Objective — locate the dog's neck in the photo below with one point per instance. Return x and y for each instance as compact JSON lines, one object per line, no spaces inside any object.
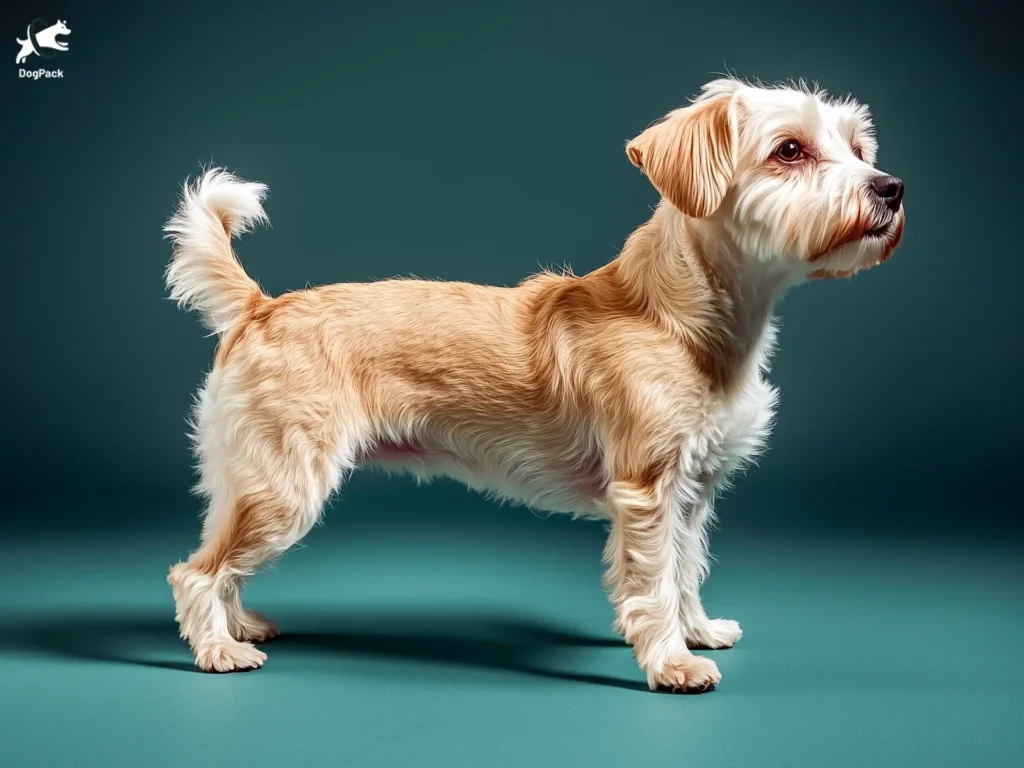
{"x":693,"y":277}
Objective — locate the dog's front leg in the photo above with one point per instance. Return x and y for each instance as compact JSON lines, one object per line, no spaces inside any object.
{"x":642,"y":563}
{"x":692,"y":566}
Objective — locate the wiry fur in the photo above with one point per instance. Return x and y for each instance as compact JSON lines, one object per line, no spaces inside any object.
{"x":630,"y":393}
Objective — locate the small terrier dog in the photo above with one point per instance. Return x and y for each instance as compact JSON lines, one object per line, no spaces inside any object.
{"x":629,"y":394}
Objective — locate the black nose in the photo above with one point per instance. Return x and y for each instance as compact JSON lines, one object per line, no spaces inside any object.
{"x":890,"y":190}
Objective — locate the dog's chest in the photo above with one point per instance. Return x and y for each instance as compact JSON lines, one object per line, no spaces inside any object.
{"x":734,"y":430}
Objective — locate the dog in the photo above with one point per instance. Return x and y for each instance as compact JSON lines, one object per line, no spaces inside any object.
{"x":629,"y":394}
{"x":45,"y":38}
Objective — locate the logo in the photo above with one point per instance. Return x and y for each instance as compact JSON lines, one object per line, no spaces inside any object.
{"x":41,"y":40}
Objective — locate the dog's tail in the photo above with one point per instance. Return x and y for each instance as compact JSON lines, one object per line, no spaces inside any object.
{"x":204,"y":272}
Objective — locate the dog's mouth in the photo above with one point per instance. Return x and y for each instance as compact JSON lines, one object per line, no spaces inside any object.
{"x":887,"y":235}
{"x":880,"y":231}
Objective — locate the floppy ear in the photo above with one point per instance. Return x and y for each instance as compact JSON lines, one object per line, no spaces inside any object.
{"x":689,"y":155}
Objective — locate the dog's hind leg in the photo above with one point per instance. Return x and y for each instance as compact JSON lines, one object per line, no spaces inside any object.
{"x":258,"y":527}
{"x":271,"y":494}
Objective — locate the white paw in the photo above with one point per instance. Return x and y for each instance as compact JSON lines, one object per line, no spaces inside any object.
{"x":228,"y":656}
{"x":689,"y":674}
{"x":252,"y":627}
{"x":717,"y":633}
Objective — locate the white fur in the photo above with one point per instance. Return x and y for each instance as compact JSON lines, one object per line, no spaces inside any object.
{"x":201,"y":275}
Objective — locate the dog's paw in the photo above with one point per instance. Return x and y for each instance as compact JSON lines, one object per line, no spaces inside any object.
{"x":715,"y":634}
{"x":252,"y":627}
{"x":229,"y":656}
{"x":687,"y":674}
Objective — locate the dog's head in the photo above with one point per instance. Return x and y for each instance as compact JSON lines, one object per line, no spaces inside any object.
{"x":789,"y":174}
{"x":60,"y":28}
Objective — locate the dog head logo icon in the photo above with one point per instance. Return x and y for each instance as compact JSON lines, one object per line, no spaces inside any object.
{"x":39,"y":38}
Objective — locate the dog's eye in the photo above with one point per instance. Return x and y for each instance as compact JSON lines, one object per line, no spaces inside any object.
{"x":789,"y":151}
{"x":858,"y":153}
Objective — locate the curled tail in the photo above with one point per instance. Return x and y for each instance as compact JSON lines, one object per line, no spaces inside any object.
{"x":204,"y":273}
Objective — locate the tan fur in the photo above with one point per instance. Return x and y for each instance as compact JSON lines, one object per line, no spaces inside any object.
{"x":456,"y":359}
{"x":629,"y":393}
{"x":689,"y":155}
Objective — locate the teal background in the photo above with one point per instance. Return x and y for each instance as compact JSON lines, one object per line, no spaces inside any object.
{"x":873,"y":558}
